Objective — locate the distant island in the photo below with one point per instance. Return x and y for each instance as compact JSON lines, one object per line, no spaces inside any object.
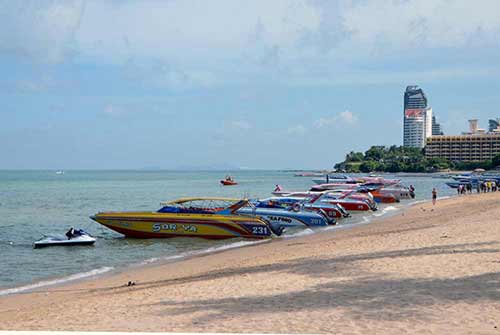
{"x":404,"y":159}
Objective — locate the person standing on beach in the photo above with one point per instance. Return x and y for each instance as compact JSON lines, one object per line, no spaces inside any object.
{"x":434,"y":196}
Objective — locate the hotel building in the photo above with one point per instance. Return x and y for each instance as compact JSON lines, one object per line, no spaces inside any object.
{"x":472,"y":146}
{"x":417,"y":118}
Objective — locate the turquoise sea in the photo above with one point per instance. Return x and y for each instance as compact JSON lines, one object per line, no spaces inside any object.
{"x":34,"y":203}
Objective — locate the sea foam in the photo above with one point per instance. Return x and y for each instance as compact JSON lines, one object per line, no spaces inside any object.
{"x":45,"y":283}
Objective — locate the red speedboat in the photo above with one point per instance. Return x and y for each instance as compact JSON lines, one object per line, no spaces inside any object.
{"x":347,"y":199}
{"x":228,"y":181}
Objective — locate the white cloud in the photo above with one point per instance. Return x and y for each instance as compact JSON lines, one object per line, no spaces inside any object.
{"x":348,"y":117}
{"x":161,"y":74}
{"x":325,"y":122}
{"x":229,"y":29}
{"x":212,"y":30}
{"x":297,"y":130}
{"x":203,"y":43}
{"x":137,"y":108}
{"x":412,"y":25}
{"x":41,"y":30}
{"x":345,"y":118}
{"x":114,"y":110}
{"x":240,"y":125}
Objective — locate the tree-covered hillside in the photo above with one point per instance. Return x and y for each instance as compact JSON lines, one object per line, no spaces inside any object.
{"x":403,"y":159}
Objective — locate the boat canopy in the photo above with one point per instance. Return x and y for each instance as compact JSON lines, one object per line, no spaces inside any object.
{"x":203,"y":205}
{"x":190,"y":200}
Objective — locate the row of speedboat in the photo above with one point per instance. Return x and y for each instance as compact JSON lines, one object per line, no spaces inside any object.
{"x":221,"y":218}
{"x":379,"y":189}
{"x":473,"y":179}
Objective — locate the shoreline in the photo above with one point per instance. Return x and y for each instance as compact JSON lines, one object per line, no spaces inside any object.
{"x":56,"y":282}
{"x":418,"y":269}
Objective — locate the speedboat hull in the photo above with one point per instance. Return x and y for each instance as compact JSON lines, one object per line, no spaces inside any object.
{"x":349,"y":205}
{"x":288,"y":218}
{"x":167,"y":225}
{"x":228,"y":183}
{"x":385,"y":198}
{"x":333,"y":212}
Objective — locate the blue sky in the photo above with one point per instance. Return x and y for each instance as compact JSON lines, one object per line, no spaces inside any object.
{"x":256,"y":84}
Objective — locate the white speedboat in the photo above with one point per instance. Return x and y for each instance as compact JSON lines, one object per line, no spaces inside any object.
{"x":82,"y":238}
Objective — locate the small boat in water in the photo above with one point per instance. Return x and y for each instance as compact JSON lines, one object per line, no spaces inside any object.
{"x":228,"y":181}
{"x":80,"y":237}
{"x":211,"y":218}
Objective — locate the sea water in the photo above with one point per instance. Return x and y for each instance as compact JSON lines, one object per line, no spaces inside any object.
{"x":36,"y":203}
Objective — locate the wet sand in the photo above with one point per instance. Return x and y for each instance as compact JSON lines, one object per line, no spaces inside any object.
{"x":427,"y":270}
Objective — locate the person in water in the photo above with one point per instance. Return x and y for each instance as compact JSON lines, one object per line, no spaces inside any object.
{"x":412,"y":191}
{"x":70,"y":233}
{"x":434,"y":196}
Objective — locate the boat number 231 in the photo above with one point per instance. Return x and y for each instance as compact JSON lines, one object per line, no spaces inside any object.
{"x":259,"y":230}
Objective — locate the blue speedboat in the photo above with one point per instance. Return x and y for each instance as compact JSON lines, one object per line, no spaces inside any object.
{"x":294,"y":216}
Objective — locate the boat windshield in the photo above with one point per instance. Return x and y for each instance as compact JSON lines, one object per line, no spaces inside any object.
{"x":175,"y":209}
{"x":197,"y":206}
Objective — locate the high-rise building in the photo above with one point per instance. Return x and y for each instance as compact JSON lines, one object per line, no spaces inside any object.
{"x":493,"y":125}
{"x":436,"y":127}
{"x":474,"y":128}
{"x":417,"y":122}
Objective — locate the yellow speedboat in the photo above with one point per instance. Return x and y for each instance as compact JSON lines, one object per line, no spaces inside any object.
{"x":212,"y":218}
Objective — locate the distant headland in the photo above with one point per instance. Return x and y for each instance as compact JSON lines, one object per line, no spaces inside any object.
{"x":405,"y":159}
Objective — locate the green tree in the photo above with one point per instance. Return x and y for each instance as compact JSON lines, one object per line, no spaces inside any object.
{"x":438,"y":164}
{"x":396,"y":166}
{"x":496,"y":161}
{"x":375,"y":153}
{"x":368,"y":166}
{"x":354,"y":157}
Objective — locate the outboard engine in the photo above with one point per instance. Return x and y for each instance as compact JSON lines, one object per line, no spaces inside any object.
{"x":342,"y":210}
{"x":276,"y":230}
{"x":331,"y":221}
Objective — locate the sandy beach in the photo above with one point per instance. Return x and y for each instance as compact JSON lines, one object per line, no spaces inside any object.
{"x":427,"y":270}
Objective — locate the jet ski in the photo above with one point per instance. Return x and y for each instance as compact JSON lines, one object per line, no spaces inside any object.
{"x":79,"y":237}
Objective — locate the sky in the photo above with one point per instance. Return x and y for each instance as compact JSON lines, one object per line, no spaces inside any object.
{"x":234,"y":84}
